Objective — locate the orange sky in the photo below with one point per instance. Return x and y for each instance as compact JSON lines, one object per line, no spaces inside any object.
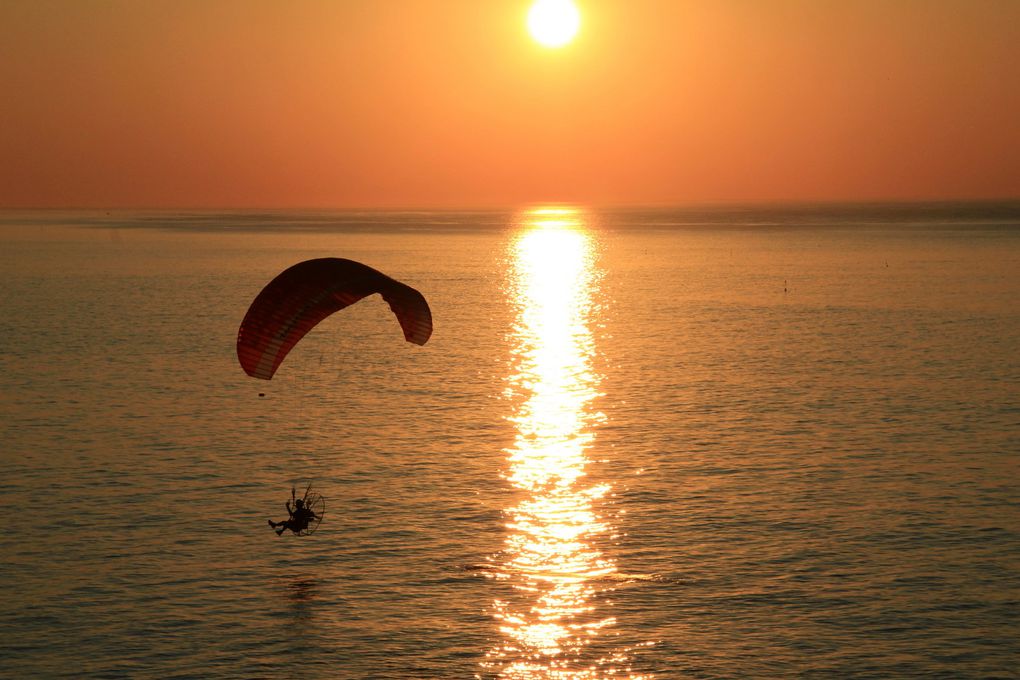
{"x":449,"y":103}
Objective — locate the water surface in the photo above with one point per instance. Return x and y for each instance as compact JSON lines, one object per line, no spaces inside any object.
{"x":675,"y":444}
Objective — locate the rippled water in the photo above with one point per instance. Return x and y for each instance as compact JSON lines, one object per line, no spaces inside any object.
{"x":700,"y":444}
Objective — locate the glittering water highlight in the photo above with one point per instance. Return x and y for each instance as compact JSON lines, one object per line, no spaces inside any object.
{"x":551,"y":556}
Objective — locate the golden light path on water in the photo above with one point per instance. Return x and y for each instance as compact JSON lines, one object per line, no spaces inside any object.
{"x":550,"y":557}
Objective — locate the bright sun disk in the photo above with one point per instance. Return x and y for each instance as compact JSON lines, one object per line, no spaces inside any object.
{"x":553,"y":23}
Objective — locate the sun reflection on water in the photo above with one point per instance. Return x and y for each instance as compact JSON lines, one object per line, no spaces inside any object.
{"x":551,"y":556}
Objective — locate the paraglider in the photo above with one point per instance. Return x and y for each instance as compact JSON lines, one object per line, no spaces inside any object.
{"x":289,"y":307}
{"x":305,"y":513}
{"x":303,"y":295}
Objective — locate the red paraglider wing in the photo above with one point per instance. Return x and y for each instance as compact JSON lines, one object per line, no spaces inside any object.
{"x":305,"y":294}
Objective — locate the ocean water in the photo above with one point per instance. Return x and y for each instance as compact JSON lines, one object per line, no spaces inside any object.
{"x":721,"y":443}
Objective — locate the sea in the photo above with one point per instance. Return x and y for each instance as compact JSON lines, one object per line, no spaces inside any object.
{"x":714,"y":442}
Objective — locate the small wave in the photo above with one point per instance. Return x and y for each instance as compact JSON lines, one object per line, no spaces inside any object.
{"x":614,"y":577}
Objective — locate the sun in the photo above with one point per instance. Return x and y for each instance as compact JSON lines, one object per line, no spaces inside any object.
{"x":554,"y":23}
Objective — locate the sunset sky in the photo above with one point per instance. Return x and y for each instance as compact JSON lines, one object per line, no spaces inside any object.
{"x":451,"y":103}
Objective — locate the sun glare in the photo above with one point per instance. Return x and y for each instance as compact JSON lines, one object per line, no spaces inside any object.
{"x":554,"y":23}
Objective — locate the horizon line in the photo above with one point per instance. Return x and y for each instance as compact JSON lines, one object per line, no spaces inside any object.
{"x":616,"y":206}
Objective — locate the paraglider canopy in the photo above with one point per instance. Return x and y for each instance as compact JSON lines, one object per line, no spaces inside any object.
{"x":303,"y":295}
